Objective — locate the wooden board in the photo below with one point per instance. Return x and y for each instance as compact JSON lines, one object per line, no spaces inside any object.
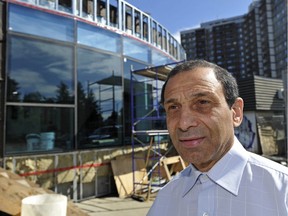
{"x":123,"y":174}
{"x":177,"y":165}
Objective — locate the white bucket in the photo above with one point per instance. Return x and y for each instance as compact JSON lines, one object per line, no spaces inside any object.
{"x":44,"y":205}
{"x":47,"y":140}
{"x":33,"y":141}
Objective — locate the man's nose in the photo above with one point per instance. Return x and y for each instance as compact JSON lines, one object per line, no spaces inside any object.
{"x":188,"y":118}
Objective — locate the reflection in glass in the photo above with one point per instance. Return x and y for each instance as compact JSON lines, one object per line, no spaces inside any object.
{"x":40,"y":72}
{"x":136,"y":49}
{"x":146,"y":109}
{"x":98,"y":38}
{"x":34,"y":129}
{"x":160,"y":59}
{"x":27,"y":20}
{"x":128,"y":65}
{"x":51,"y":4}
{"x":100,"y":109}
{"x":29,"y":1}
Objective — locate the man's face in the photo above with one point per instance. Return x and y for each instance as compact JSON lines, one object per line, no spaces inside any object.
{"x":200,"y":122}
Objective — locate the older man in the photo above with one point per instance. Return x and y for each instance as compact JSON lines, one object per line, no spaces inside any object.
{"x":203,"y":106}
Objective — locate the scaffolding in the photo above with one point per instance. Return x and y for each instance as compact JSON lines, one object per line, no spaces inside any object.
{"x":148,"y":127}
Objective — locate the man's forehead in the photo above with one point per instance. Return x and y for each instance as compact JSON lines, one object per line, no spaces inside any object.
{"x":189,"y":83}
{"x":193,"y":83}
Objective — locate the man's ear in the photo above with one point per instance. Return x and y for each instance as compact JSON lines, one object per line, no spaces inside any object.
{"x":237,"y":111}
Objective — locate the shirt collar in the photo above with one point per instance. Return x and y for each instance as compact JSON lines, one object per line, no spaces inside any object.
{"x":227,"y":172}
{"x":192,"y":176}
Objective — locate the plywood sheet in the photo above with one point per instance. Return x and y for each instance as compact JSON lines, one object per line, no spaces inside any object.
{"x":123,"y":174}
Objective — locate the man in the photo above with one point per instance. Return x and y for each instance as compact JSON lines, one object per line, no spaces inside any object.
{"x":203,"y":107}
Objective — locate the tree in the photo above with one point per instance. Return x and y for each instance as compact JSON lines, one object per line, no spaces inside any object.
{"x":13,"y":90}
{"x":63,"y":94}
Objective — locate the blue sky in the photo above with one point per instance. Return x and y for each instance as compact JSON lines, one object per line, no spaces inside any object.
{"x":178,"y":15}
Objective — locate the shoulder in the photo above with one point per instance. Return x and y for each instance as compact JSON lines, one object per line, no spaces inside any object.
{"x":265,"y":164}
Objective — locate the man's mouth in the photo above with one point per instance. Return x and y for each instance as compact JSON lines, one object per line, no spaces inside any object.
{"x":191,"y":142}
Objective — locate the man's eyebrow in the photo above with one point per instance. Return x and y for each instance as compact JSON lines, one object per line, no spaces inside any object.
{"x":171,"y":100}
{"x":189,"y":95}
{"x":199,"y":93}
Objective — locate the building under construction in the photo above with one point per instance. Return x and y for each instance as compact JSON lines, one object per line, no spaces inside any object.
{"x":65,"y":98}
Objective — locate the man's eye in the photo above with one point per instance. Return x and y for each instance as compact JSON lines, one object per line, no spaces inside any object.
{"x":172,"y":107}
{"x":204,"y":102}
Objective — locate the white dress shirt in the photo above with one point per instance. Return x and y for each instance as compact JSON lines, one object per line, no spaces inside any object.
{"x":239,"y":184}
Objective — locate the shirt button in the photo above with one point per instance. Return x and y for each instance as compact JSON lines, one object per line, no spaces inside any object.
{"x":205,"y":214}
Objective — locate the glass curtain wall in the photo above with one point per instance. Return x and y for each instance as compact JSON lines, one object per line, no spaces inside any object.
{"x":40,"y":88}
{"x":68,"y":85}
{"x":100,"y":105}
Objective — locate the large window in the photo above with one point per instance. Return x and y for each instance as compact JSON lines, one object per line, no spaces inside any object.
{"x":67,"y":94}
{"x":158,"y":58}
{"x":147,"y":114}
{"x":38,"y":129}
{"x":136,"y":50}
{"x":29,"y":21}
{"x":39,"y":72}
{"x":100,"y":101}
{"x":98,"y":38}
{"x":128,"y":65}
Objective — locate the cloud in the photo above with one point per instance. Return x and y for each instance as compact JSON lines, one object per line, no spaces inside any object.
{"x":33,"y":82}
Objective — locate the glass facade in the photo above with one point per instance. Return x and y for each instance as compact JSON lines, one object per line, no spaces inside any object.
{"x":136,"y":50}
{"x":39,"y":71}
{"x":100,"y":104}
{"x":29,"y":21}
{"x":97,"y":37}
{"x":38,"y":129}
{"x":68,"y":80}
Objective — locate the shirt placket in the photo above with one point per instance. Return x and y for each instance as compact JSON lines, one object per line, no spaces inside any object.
{"x":205,"y":199}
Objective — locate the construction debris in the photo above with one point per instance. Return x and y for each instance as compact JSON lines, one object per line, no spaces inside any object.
{"x":136,"y":182}
{"x":14,"y":188}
